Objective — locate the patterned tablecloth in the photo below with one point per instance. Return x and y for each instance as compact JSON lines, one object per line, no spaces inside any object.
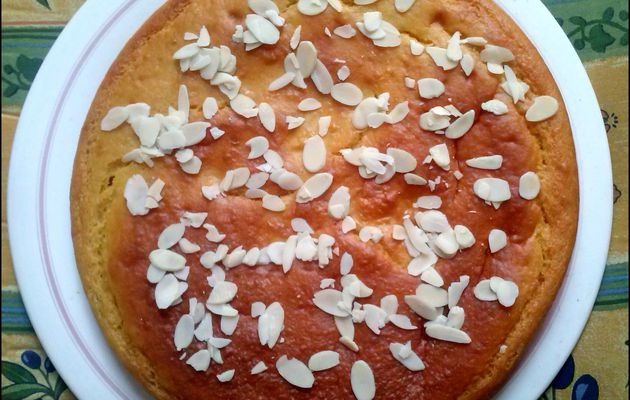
{"x":598,"y":367}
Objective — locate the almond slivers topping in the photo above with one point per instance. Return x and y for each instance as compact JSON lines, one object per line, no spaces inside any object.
{"x":362,"y":381}
{"x":542,"y":108}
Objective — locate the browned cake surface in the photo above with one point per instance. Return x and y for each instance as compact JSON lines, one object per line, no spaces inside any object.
{"x":112,"y":246}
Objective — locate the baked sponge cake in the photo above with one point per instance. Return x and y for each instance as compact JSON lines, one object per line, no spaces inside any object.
{"x":324,"y":199}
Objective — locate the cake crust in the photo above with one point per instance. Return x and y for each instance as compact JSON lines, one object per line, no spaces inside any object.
{"x":112,"y":247}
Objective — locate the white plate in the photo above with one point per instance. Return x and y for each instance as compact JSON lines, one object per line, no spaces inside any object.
{"x":39,"y":206}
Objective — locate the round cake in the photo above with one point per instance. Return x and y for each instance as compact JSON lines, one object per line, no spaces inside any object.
{"x":324,"y":199}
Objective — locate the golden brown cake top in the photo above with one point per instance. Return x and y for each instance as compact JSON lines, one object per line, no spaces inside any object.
{"x":332,"y":199}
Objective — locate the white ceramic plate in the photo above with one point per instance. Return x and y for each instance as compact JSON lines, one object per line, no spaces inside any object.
{"x":39,"y":205}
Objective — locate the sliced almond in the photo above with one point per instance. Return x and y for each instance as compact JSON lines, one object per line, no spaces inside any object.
{"x":447,"y":333}
{"x":493,"y":162}
{"x":347,"y":94}
{"x":430,"y":88}
{"x":529,"y":186}
{"x":461,"y":125}
{"x":258,"y":146}
{"x":440,"y":58}
{"x":492,"y":189}
{"x":496,"y":107}
{"x":314,"y":187}
{"x":314,"y":154}
{"x":542,"y":108}
{"x":323,"y":360}
{"x":497,"y":240}
{"x":295,"y":372}
{"x":362,"y":381}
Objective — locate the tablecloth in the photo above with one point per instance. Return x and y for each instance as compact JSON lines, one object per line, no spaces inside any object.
{"x":598,"y":29}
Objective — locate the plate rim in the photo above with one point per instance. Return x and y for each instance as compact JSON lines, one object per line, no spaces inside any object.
{"x":102,"y":16}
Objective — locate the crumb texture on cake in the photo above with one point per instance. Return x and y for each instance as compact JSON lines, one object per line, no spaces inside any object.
{"x":112,"y":246}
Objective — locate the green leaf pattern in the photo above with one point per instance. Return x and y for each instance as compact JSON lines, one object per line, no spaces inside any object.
{"x":599,"y":33}
{"x":23,"y":383}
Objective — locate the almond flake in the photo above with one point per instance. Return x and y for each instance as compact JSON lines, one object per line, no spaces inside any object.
{"x":447,"y":333}
{"x":372,"y":233}
{"x":295,"y":37}
{"x":188,"y":247}
{"x":306,"y":55}
{"x":345,"y":265}
{"x":496,"y":107}
{"x":327,"y":300}
{"x":345,"y":31}
{"x":422,"y":307}
{"x":226,"y":376}
{"x":416,"y":47}
{"x":312,"y":7}
{"x":529,"y":186}
{"x":468,"y":64}
{"x":321,"y":78}
{"x":200,"y":361}
{"x":402,"y":6}
{"x":413,"y":179}
{"x":487,"y":162}
{"x":456,"y":289}
{"x":114,"y":118}
{"x":343,"y":73}
{"x":259,"y":368}
{"x":294,"y":122}
{"x":428,"y":202}
{"x":461,"y":125}
{"x":258,"y":146}
{"x":314,"y":154}
{"x":463,"y":236}
{"x":543,"y":107}
{"x":244,"y":106}
{"x":211,"y":192}
{"x":171,"y":235}
{"x":223,"y":292}
{"x":167,"y":260}
{"x":294,"y":371}
{"x":507,"y":292}
{"x":166,"y":291}
{"x":348,"y":224}
{"x":262,"y":29}
{"x":347,"y":94}
{"x":495,"y":55}
{"x":484,"y":292}
{"x":430,"y":88}
{"x":362,"y":381}
{"x":454,"y":50}
{"x":339,"y":203}
{"x":309,"y":104}
{"x":300,"y":225}
{"x":403,"y":161}
{"x":349,"y":343}
{"x":412,"y":362}
{"x":432,"y":277}
{"x":441,"y":156}
{"x":184,"y":332}
{"x":440,"y":58}
{"x":284,"y":80}
{"x":497,"y":240}
{"x":323,"y":360}
{"x":271,"y":324}
{"x":314,"y":187}
{"x":492,"y":189}
{"x":402,"y":322}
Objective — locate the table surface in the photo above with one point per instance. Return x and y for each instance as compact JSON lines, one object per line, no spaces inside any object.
{"x":598,"y":367}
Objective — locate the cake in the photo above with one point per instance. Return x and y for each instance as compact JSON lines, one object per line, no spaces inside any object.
{"x":323,"y":199}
